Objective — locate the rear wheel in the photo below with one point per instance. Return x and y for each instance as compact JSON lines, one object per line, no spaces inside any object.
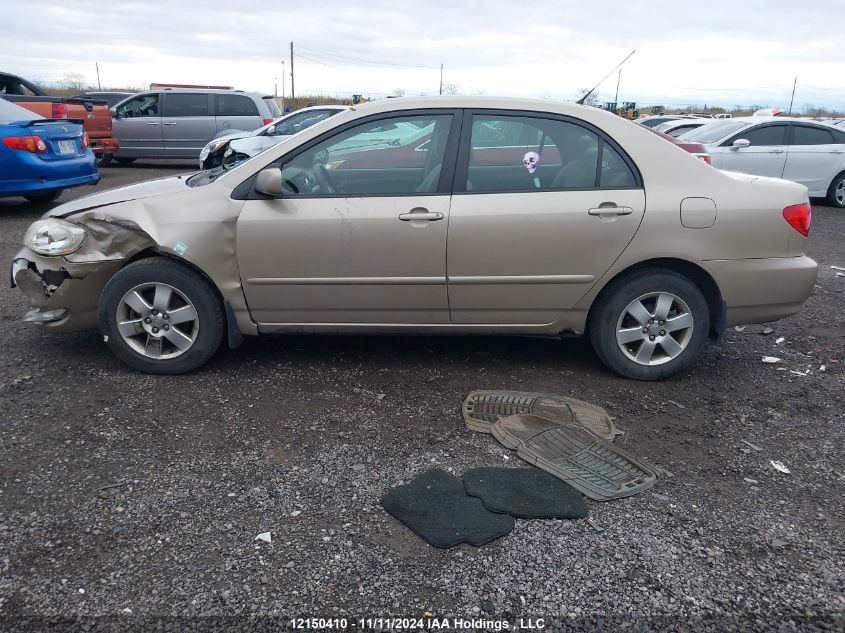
{"x":121,"y":160}
{"x":836,"y":193}
{"x":161,"y":317}
{"x":104,"y":159}
{"x":650,"y":325}
{"x":42,"y":198}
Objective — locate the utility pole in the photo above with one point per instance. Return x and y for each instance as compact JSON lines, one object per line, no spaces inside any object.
{"x":441,"y":78}
{"x":795,"y":83}
{"x":618,"y":79}
{"x":292,"y":91}
{"x":283,"y":86}
{"x":97,"y":66}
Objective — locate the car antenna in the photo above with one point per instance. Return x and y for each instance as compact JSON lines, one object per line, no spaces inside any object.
{"x":593,"y":89}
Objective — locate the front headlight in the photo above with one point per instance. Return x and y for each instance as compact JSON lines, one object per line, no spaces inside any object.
{"x":54,"y":236}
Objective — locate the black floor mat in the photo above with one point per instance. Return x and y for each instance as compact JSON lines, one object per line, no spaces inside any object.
{"x":527,"y":493}
{"x":436,"y":507}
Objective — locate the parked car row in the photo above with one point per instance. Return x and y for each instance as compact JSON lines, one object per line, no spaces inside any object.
{"x":803,"y":151}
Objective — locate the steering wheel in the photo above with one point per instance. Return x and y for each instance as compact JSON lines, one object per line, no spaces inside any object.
{"x":298,"y":180}
{"x":325,"y":179}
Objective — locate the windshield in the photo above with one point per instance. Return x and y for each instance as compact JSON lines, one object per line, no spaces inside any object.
{"x":712,"y":132}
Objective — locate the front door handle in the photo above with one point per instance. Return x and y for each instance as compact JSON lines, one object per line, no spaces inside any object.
{"x":421,"y":215}
{"x":608,"y":209}
{"x":153,"y":123}
{"x":775,"y":151}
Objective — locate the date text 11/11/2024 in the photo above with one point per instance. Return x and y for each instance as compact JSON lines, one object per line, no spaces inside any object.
{"x":429,"y":623}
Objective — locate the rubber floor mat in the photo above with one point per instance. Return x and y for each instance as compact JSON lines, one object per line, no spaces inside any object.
{"x":573,"y":453}
{"x":482,"y":409}
{"x":436,"y":507}
{"x":527,"y":493}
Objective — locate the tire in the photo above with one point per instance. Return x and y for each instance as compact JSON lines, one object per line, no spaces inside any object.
{"x":44,"y":198}
{"x":836,"y":193}
{"x":104,"y":159}
{"x":153,"y":341}
{"x":121,"y":160}
{"x":610,"y":324}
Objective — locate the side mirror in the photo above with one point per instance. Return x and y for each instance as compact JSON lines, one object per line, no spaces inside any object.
{"x":740,"y":143}
{"x":270,"y":131}
{"x":114,"y":113}
{"x":269,"y":182}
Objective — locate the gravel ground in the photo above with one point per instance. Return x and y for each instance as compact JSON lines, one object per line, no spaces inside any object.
{"x":132,"y":500}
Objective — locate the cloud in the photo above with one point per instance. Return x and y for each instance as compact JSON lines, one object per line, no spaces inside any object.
{"x":725,"y":51}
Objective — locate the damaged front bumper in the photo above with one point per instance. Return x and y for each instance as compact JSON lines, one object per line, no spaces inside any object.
{"x":64,"y":291}
{"x":63,"y":294}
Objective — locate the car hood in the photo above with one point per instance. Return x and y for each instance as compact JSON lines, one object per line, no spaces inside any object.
{"x":148,"y":189}
{"x":231,"y":136}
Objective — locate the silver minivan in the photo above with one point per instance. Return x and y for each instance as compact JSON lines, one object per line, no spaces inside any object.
{"x":177,"y":123}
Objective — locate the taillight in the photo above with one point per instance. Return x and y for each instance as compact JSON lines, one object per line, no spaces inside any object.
{"x":30,"y":143}
{"x":268,"y":121}
{"x":799,"y":217}
{"x":58,"y":111}
{"x":85,"y":140}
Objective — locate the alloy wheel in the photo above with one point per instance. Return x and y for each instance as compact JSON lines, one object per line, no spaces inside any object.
{"x":157,"y":321}
{"x":654,"y":328}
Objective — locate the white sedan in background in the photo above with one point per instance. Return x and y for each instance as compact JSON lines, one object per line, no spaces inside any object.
{"x":806,"y":152}
{"x":237,"y":146}
{"x":681,"y":126}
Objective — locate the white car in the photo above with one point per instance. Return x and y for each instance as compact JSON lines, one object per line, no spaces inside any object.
{"x":237,"y":146}
{"x":680,"y":126}
{"x":809,"y":153}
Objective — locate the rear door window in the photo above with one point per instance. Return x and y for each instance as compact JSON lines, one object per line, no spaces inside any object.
{"x":185,"y":104}
{"x":234,"y":105}
{"x":808,"y":135}
{"x":511,"y":153}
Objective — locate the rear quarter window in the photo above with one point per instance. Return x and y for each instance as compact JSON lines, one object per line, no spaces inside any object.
{"x":234,"y":105}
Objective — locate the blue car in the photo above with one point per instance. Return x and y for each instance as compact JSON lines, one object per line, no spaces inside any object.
{"x":40,"y":157}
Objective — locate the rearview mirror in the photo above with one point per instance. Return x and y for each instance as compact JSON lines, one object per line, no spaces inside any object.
{"x":741,"y":142}
{"x":269,"y":182}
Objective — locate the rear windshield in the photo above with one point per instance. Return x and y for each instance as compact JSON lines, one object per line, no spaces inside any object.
{"x":712,"y":132}
{"x":11,"y":112}
{"x":274,"y":109}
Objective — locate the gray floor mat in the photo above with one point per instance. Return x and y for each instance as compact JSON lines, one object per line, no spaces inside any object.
{"x":437,"y":508}
{"x":527,"y":493}
{"x":482,"y":409}
{"x":573,"y":453}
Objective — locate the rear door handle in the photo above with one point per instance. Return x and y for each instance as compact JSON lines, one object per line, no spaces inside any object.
{"x":170,"y":123}
{"x":610,"y":210}
{"x":422,"y":214}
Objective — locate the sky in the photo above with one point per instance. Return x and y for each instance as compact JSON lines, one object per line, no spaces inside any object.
{"x":713,"y":52}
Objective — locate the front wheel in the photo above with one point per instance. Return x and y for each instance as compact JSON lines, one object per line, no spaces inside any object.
{"x":160,"y":317}
{"x":649,"y":325}
{"x":836,"y":193}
